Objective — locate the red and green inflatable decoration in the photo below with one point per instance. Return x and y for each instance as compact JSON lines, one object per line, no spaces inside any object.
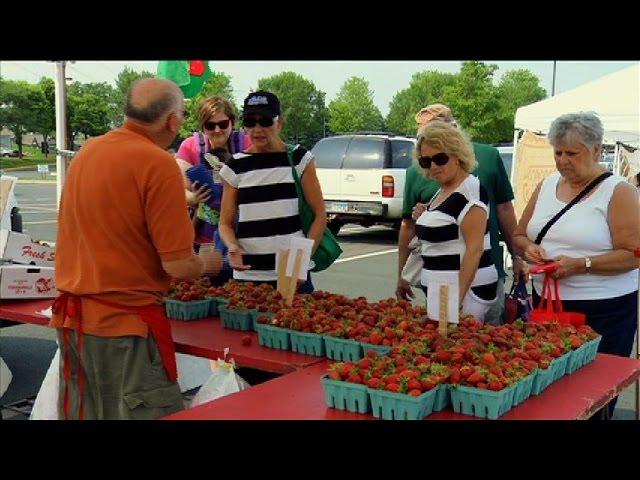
{"x":189,"y":75}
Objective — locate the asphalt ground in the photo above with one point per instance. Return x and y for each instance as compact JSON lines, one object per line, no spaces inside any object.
{"x":367,"y":267}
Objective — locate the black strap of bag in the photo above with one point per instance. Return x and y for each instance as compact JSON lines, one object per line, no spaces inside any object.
{"x":578,"y":197}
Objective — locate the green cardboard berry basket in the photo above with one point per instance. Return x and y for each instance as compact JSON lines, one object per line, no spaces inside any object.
{"x":236,"y":319}
{"x":193,"y":310}
{"x":351,"y":397}
{"x":342,"y":349}
{"x":381,"y":349}
{"x":220,"y":301}
{"x":443,"y":397}
{"x":523,"y":389}
{"x":254,"y":317}
{"x":307,"y":343}
{"x":559,"y":366}
{"x":399,"y":406}
{"x":273,"y":337}
{"x":591,"y":350}
{"x":544,"y":378}
{"x":482,"y":403}
{"x":576,"y":359}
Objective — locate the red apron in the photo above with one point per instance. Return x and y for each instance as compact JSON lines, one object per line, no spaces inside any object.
{"x":153,"y":315}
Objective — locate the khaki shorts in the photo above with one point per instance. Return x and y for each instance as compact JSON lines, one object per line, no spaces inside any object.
{"x":124,"y":379}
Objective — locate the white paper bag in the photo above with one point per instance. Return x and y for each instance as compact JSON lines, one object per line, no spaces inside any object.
{"x":46,"y":404}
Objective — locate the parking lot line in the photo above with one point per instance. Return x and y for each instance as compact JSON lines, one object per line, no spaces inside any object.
{"x":366,"y":255}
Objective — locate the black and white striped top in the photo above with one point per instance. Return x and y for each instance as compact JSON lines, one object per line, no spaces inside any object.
{"x":268,"y":215}
{"x":443,"y":245}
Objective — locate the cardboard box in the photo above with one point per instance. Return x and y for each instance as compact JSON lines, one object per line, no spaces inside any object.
{"x":19,"y":248}
{"x":26,"y":281}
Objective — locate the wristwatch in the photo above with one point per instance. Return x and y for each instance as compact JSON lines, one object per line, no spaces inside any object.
{"x":587,"y":265}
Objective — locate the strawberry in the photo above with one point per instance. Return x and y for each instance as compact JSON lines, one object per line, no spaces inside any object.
{"x":393,"y":387}
{"x":414,"y":385}
{"x":246,"y":340}
{"x":373,"y":382}
{"x":334,"y":375}
{"x":415,"y":393}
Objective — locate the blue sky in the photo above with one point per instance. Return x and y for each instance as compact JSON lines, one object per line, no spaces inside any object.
{"x":385,"y":78}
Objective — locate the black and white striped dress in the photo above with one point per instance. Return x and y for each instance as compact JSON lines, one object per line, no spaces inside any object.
{"x":443,"y":245}
{"x":268,"y":215}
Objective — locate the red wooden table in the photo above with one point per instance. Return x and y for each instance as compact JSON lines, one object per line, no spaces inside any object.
{"x":300,"y":396}
{"x":203,"y":338}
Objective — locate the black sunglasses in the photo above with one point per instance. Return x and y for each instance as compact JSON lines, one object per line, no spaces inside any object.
{"x":439,"y":159}
{"x":264,"y":122}
{"x":223,"y":124}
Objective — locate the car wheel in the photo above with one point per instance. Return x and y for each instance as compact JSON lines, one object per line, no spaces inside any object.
{"x":335,"y":226}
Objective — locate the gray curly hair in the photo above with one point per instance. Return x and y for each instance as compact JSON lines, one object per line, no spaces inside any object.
{"x":584,"y":127}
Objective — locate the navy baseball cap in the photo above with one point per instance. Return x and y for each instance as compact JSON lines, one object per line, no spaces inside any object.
{"x":263,"y":103}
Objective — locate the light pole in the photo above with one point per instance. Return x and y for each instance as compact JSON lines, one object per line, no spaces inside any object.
{"x":553,"y":81}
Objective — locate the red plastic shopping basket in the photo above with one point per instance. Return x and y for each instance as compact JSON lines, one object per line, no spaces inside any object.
{"x":550,"y":309}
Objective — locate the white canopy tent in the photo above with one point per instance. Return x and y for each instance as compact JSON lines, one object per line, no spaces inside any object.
{"x":615,"y":98}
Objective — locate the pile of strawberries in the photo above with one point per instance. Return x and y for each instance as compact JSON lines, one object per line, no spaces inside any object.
{"x":387,"y":322}
{"x":472,"y":354}
{"x":249,"y":296}
{"x":187,"y":291}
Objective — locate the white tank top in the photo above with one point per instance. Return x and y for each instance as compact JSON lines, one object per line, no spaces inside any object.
{"x":583,"y":231}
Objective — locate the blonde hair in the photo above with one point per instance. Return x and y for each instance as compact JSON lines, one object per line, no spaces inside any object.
{"x":450,"y":140}
{"x":208,"y":107}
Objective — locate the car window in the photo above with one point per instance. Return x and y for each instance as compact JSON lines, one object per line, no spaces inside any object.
{"x":401,"y":153}
{"x":365,"y":152}
{"x":329,"y":152}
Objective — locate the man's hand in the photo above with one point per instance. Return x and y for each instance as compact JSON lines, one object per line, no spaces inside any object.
{"x":404,"y":290}
{"x":519,"y":268}
{"x":211,"y":259}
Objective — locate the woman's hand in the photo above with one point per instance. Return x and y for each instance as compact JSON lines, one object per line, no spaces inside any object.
{"x":568,"y":266}
{"x":198,"y":194}
{"x":235,"y":258}
{"x":418,"y":210}
{"x":535,"y":254}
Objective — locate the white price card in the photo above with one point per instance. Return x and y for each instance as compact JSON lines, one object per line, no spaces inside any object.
{"x":298,"y":243}
{"x":434,"y":283}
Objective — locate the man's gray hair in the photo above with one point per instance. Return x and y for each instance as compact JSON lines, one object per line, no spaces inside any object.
{"x":152,"y":111}
{"x":585,"y":127}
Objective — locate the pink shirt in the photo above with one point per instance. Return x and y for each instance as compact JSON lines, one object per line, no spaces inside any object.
{"x":189,"y":150}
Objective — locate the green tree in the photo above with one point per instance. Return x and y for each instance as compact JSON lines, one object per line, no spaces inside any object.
{"x":353,"y":108}
{"x":123,"y":81}
{"x":424,"y":89}
{"x":45,"y":118}
{"x":90,"y":107}
{"x":516,"y":89}
{"x":302,"y":106}
{"x":16,"y":108}
{"x":217,"y":84}
{"x":474,"y":101}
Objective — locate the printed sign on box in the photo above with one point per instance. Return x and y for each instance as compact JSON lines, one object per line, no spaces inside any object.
{"x":26,"y":281}
{"x":19,"y":248}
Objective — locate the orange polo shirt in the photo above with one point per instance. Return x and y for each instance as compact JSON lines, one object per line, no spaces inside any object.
{"x":122,"y":212}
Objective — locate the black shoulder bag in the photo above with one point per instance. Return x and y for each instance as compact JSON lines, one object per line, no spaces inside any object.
{"x":578,"y":197}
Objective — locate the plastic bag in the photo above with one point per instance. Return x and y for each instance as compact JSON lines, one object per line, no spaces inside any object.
{"x":518,"y":303}
{"x":46,"y":405}
{"x":412,"y":270}
{"x":5,"y":377}
{"x":223,"y":381}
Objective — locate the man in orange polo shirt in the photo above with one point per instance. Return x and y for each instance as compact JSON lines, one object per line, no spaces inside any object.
{"x":123,"y":231}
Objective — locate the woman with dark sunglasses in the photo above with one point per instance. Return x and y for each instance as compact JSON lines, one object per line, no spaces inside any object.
{"x":260,"y":213}
{"x":209,"y":148}
{"x":453,"y":227}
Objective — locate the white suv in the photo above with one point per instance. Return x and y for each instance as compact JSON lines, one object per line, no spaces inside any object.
{"x":362,"y":177}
